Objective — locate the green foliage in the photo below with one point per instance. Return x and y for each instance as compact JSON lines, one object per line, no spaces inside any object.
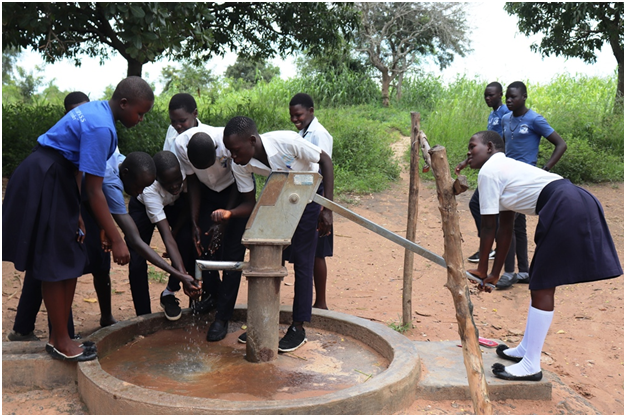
{"x":22,"y":124}
{"x":575,"y":29}
{"x":157,"y":275}
{"x":400,"y":328}
{"x":338,"y":87}
{"x":250,"y":71}
{"x":191,"y":79}
{"x":146,"y":32}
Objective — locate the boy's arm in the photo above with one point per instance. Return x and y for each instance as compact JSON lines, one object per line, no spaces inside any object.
{"x":327,"y":170}
{"x":99,"y":206}
{"x":129,"y":229}
{"x":560,"y":148}
{"x":170,"y":245}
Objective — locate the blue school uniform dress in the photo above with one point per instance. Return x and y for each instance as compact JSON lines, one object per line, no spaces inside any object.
{"x":319,"y":136}
{"x":287,"y":151}
{"x":523,"y":134}
{"x":573,"y":242}
{"x":42,"y":201}
{"x":495,"y":119}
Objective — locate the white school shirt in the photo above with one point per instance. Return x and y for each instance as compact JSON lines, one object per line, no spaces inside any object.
{"x":216,"y":177}
{"x":168,"y":145}
{"x":155,"y":198}
{"x":508,"y":184}
{"x":286,"y":151}
{"x":319,"y":136}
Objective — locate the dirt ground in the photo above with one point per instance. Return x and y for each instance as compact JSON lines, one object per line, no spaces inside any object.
{"x":584,"y":346}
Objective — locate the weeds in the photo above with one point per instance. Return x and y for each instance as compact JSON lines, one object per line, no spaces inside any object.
{"x":400,"y":328}
{"x":157,"y":276}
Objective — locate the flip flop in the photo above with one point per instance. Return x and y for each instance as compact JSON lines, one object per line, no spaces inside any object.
{"x":487,"y":342}
{"x":501,"y":373}
{"x":500,"y":351}
{"x":83,"y":356}
{"x":479,"y":280}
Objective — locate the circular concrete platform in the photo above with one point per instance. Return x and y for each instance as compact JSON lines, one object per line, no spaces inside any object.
{"x":387,"y":389}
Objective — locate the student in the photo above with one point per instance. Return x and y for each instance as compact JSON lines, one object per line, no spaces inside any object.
{"x":283,"y":150}
{"x":212,"y":194}
{"x":493,"y":96}
{"x":152,"y":208}
{"x":301,"y":109}
{"x":573,"y":243}
{"x":183,"y":115}
{"x":522,"y":132}
{"x":30,"y":298}
{"x":133,"y":174}
{"x":43,"y":232}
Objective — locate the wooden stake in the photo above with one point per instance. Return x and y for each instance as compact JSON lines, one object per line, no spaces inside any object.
{"x":412,"y":217}
{"x":457,"y":284}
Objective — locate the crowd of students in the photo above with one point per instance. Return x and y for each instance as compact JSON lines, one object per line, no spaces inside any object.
{"x":63,"y":201}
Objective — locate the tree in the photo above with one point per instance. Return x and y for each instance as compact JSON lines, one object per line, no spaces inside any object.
{"x":190,"y":78}
{"x":250,"y":71}
{"x":147,"y":32}
{"x":575,"y":30}
{"x":396,"y":35}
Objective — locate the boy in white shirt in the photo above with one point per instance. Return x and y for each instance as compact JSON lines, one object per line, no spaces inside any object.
{"x":283,"y":150}
{"x":301,"y":110}
{"x":211,"y":188}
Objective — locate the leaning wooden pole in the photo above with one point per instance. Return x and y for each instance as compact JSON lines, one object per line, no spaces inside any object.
{"x":456,"y":283}
{"x":412,"y":218}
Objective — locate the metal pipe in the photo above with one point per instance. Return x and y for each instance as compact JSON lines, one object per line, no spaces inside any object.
{"x":379,"y":230}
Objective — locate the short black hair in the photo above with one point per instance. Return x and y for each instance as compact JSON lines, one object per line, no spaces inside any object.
{"x":165,"y":160}
{"x":497,"y":85}
{"x":302,"y":99}
{"x":518,"y":85}
{"x":185,"y":101}
{"x":133,"y":88}
{"x":139,"y":163}
{"x":201,"y":151}
{"x":74,"y":98}
{"x":488,"y":136}
{"x":239,"y":125}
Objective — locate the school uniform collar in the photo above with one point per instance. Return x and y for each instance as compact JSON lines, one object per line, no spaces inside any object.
{"x":311,"y":127}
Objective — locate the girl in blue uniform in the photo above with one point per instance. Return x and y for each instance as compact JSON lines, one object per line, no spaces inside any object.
{"x":43,"y":231}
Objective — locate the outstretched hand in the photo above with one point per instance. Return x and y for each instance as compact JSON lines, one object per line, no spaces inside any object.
{"x":192,"y":288}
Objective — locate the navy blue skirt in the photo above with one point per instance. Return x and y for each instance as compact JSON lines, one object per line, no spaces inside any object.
{"x":40,"y":218}
{"x":573,"y":242}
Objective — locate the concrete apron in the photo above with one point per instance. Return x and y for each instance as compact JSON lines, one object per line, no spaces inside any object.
{"x":26,"y":366}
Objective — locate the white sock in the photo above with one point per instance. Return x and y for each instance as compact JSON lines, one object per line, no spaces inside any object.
{"x":167,"y":292}
{"x":520,"y":350}
{"x":537,"y":329}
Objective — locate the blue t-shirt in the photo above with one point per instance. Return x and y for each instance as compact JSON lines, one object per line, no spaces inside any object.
{"x":86,"y":136}
{"x":112,"y":186}
{"x":494,"y":120}
{"x":523,"y":134}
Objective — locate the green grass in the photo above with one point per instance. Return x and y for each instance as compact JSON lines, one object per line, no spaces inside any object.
{"x":400,"y":328}
{"x":156,"y":275}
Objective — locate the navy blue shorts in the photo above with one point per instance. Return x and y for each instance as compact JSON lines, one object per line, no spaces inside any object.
{"x":573,"y":242}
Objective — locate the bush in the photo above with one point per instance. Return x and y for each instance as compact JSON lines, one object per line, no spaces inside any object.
{"x":22,"y":124}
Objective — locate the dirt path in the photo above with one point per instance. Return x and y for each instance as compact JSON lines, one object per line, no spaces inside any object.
{"x":584,"y":346}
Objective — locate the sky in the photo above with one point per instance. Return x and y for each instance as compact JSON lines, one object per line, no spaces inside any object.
{"x":500,"y":53}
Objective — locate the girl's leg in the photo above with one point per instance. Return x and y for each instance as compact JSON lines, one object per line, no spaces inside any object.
{"x":320,"y":283}
{"x":55,"y":297}
{"x":102,"y":284}
{"x":538,"y":322}
{"x":520,"y":350}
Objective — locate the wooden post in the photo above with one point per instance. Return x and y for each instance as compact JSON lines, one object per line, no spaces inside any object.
{"x":412,"y":217}
{"x":457,"y":284}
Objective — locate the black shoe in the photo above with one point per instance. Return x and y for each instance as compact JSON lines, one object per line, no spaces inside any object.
{"x":475,"y":257}
{"x":14,"y":336}
{"x":242,"y":338}
{"x":217,"y":331}
{"x":507,"y":280}
{"x":171,"y":307}
{"x":84,"y":356}
{"x":293,"y":339}
{"x":523,"y":278}
{"x":500,"y":372}
{"x":205,"y":305}
{"x":500,"y":351}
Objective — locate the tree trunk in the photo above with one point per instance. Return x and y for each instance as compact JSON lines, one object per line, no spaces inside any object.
{"x":457,"y":285}
{"x":135,"y":68}
{"x":385,"y":88}
{"x":400,"y":86}
{"x":618,"y":107}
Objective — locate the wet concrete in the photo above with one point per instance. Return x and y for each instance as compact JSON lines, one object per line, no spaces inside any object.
{"x":349,"y":366}
{"x":182,"y":362}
